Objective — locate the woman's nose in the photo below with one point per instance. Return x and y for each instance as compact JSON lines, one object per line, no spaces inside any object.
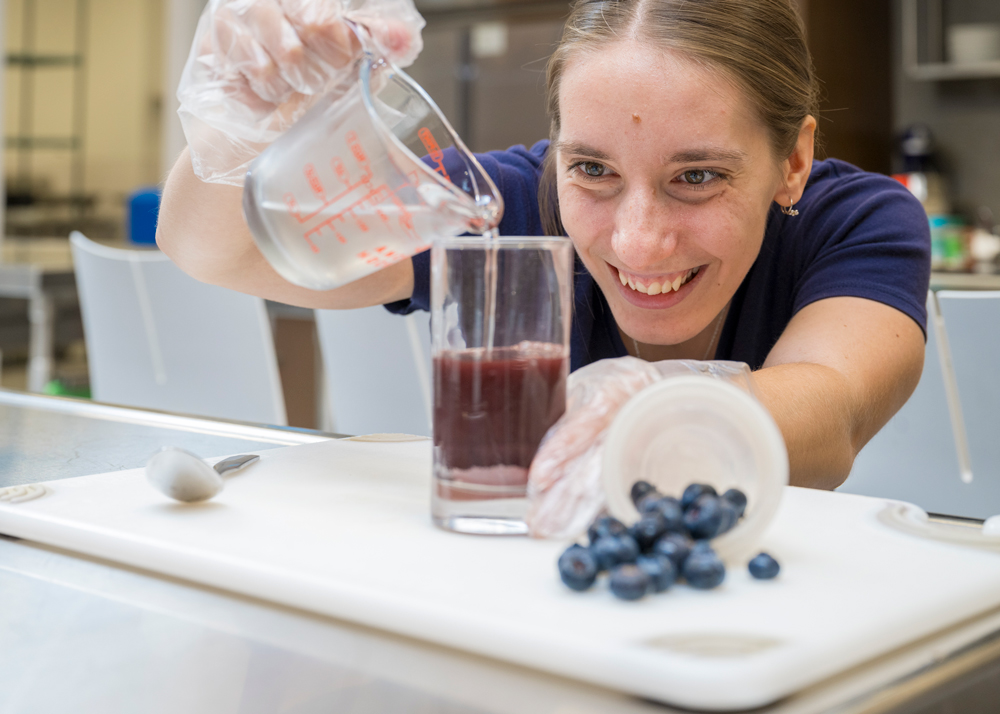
{"x":643,"y":235}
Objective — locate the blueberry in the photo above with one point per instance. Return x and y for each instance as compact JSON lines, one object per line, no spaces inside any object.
{"x":605,"y":526}
{"x":647,"y":503}
{"x":738,"y":499}
{"x":704,"y":569}
{"x":702,"y":546}
{"x":610,"y":551}
{"x":703,"y":518}
{"x":693,"y":492}
{"x":660,"y":569}
{"x":729,"y":515}
{"x":640,"y":489}
{"x":647,"y":529}
{"x":629,"y":582}
{"x":670,"y":509}
{"x":628,"y":549}
{"x":764,"y":567}
{"x":675,"y":546}
{"x":577,"y":567}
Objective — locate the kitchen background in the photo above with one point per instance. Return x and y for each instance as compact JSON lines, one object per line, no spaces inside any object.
{"x":88,"y":119}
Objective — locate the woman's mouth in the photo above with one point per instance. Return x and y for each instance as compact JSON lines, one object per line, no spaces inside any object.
{"x":656,"y":291}
{"x":659,"y":284}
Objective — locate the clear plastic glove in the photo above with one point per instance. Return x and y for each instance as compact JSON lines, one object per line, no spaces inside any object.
{"x":257,"y":65}
{"x":564,"y":483}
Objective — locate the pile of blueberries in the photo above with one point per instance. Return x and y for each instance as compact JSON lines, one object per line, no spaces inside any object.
{"x":671,"y":540}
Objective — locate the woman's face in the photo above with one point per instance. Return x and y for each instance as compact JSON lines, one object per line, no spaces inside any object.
{"x":665,"y":179}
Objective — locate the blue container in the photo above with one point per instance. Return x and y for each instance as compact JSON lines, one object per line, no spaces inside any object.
{"x":143,"y":208}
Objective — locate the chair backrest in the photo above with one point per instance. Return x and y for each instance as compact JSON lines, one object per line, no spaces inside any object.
{"x":377,"y":370}
{"x":972,"y":319}
{"x":158,"y":338}
{"x":921,"y":455}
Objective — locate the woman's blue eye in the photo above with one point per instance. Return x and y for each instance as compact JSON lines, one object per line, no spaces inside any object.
{"x":593,"y":169}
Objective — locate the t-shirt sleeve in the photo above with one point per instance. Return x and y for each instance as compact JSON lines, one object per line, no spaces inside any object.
{"x":864,"y":236}
{"x":516,"y":173}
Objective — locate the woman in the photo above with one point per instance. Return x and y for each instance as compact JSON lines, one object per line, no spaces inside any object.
{"x":681,"y":166}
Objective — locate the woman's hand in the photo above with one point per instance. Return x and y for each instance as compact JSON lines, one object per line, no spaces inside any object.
{"x":257,"y":65}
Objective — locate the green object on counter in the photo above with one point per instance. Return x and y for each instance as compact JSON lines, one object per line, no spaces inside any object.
{"x":949,"y":250}
{"x":56,"y":388}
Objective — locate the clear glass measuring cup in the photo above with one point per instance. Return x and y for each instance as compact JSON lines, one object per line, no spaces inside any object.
{"x":364,"y":179}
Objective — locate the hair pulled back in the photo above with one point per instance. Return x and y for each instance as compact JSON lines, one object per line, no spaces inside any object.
{"x":758,"y":44}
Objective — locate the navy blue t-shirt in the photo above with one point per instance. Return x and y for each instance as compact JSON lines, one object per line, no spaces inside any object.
{"x":857,"y":234}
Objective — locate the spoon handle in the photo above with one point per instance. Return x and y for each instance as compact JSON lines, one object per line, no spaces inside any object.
{"x":234,"y":463}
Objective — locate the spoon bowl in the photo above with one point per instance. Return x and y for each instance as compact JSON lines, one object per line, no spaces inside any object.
{"x":184,"y":477}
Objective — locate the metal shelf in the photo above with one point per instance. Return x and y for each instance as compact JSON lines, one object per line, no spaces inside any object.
{"x":30,"y":143}
{"x":933,"y":71}
{"x":30,"y":60}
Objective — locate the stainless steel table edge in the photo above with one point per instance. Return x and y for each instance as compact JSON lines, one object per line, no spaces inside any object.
{"x":900,"y":677}
{"x":282,"y":435}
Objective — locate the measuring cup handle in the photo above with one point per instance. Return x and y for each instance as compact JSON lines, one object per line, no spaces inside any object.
{"x":368,"y":45}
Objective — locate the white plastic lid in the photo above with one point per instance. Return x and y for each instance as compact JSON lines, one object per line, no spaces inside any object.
{"x":692,"y":429}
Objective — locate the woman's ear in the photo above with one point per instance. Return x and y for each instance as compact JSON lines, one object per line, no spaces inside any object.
{"x":795,"y":169}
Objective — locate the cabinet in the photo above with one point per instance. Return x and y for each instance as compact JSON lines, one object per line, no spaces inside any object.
{"x":925,"y":24}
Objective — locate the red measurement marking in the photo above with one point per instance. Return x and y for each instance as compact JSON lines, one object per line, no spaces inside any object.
{"x":355,"y":146}
{"x":380,"y":258}
{"x":338,"y":168}
{"x":292,"y":204}
{"x":433,"y":150}
{"x":314,"y":183}
{"x":312,"y":246}
{"x":342,"y":174}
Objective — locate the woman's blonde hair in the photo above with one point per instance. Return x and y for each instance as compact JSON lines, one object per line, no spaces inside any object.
{"x":759,"y":44}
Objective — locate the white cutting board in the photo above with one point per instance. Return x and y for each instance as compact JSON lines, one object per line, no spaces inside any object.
{"x":343,"y":528}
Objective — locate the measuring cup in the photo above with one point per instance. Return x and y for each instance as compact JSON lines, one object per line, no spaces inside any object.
{"x":365,"y":178}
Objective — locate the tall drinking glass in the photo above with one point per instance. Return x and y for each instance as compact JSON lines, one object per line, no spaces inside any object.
{"x":500,"y":322}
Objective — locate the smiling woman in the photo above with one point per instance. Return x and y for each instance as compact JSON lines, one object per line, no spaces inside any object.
{"x":680,"y":163}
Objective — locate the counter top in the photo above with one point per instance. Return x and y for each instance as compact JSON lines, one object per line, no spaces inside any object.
{"x":86,"y":635}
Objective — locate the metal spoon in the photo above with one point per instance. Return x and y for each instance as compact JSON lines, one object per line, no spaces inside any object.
{"x":184,"y":477}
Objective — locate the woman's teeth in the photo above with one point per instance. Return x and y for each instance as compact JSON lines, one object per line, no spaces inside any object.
{"x":657,"y":287}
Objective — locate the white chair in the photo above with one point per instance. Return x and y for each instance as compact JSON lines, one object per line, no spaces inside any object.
{"x":972,"y":319}
{"x":921,"y":455}
{"x":377,"y":370}
{"x":157,"y":338}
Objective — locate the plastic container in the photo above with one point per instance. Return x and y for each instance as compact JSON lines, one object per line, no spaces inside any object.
{"x":143,"y":208}
{"x":361,"y":182}
{"x":694,"y":429}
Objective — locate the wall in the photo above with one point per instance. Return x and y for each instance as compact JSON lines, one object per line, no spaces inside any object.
{"x":963,"y":114}
{"x":852,"y":57}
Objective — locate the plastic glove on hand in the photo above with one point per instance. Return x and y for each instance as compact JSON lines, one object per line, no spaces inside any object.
{"x":257,"y":65}
{"x":564,"y":482}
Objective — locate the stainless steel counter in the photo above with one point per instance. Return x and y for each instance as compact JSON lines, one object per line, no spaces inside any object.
{"x":91,"y":637}
{"x":48,"y":438}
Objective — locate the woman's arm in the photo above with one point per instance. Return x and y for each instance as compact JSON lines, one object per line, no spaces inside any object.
{"x":201,"y":228}
{"x":840,"y":370}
